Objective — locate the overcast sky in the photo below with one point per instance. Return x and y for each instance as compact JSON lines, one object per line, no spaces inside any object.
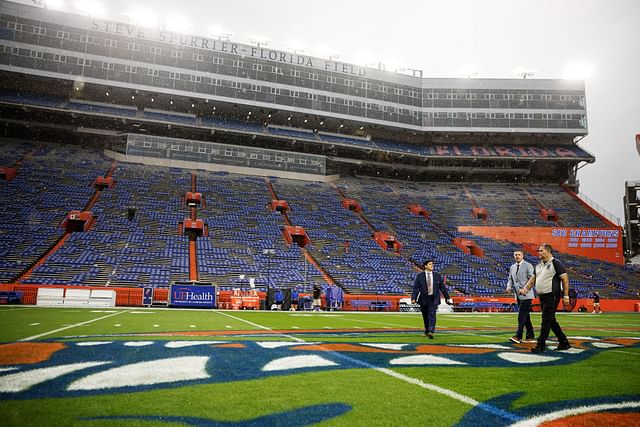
{"x":456,"y":38}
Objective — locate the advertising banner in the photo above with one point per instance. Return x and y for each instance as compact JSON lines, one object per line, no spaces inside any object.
{"x":199,"y":296}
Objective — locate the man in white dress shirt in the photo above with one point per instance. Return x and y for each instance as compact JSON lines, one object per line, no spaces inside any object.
{"x":519,"y":274}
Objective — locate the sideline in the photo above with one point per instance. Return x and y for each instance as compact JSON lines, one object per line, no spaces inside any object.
{"x":432,"y":387}
{"x":266,"y":328}
{"x":72,"y":326}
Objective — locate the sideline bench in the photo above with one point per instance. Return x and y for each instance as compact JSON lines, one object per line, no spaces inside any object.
{"x":371,"y":305}
{"x":77,"y":297}
{"x":485,"y":306}
{"x":102,"y":298}
{"x":50,"y":296}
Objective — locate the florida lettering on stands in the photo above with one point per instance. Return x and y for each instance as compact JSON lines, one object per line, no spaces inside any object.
{"x":458,"y":150}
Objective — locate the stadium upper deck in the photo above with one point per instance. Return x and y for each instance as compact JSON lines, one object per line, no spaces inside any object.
{"x":52,"y":44}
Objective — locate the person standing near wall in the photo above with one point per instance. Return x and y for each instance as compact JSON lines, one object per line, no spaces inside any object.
{"x":317,"y":298}
{"x":596,"y":303}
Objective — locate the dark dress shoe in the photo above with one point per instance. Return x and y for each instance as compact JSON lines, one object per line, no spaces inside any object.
{"x":537,"y":350}
{"x":564,"y":346}
{"x":430,"y":335}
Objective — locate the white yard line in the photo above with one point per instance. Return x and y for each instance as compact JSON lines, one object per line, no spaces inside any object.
{"x":34,"y":337}
{"x":493,"y":337}
{"x":412,"y":326}
{"x":266,"y":328}
{"x":485,"y":324}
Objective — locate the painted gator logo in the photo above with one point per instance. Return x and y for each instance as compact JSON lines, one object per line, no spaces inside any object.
{"x":31,"y":370}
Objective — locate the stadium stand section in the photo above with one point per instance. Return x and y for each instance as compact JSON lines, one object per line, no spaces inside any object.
{"x":150,"y":251}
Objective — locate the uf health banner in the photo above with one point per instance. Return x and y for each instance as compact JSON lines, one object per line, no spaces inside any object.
{"x":603,"y":244}
{"x":200,"y":296}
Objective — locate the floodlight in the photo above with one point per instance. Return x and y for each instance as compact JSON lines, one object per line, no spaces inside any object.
{"x":178,"y":24}
{"x":295,"y":46}
{"x":391,"y":64}
{"x":326,"y":51}
{"x":143,"y":17}
{"x":578,"y":71}
{"x":259,"y":40}
{"x":53,"y":4}
{"x":525,"y":73}
{"x":468,"y":71}
{"x":363,"y":58}
{"x":90,"y":7}
{"x":219,"y":33}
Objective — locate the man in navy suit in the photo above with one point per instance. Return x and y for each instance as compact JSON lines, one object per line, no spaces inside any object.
{"x":426,"y":291}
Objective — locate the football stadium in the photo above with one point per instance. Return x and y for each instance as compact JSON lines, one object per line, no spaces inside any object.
{"x":198,"y":231}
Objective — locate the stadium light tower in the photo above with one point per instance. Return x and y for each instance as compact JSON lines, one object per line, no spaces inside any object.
{"x":296,"y":46}
{"x":142,"y":17}
{"x":363,"y":58}
{"x":52,"y":4}
{"x":469,"y":71}
{"x":524,"y":73}
{"x":259,"y":41}
{"x":391,"y":64}
{"x":91,"y":8}
{"x":325,"y":51}
{"x":219,"y":33}
{"x":178,"y":24}
{"x":578,"y":71}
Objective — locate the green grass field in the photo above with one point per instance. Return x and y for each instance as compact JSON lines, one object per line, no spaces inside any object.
{"x":147,"y":367}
